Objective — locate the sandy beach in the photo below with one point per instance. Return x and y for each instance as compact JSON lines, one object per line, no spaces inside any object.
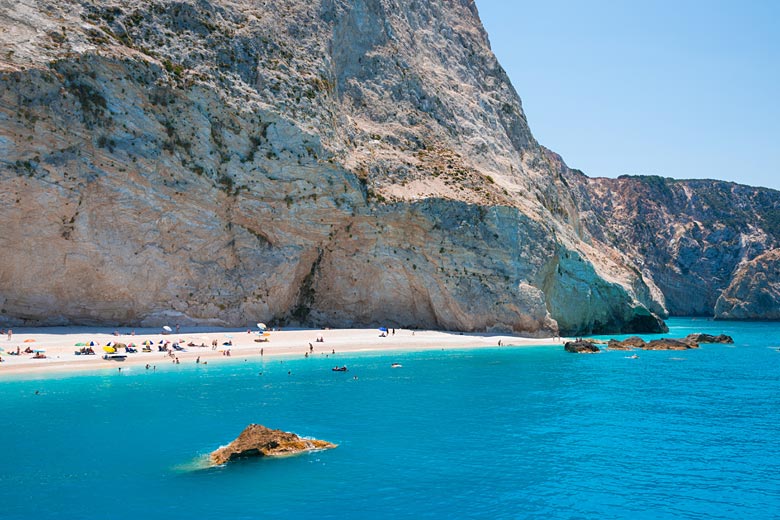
{"x":59,"y":345}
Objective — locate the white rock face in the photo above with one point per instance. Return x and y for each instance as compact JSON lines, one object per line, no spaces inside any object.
{"x":330,"y":162}
{"x":754,"y":293}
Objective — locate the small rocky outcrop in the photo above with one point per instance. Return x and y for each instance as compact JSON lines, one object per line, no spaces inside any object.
{"x":708,"y":338}
{"x":669,"y":344}
{"x":258,"y":441}
{"x":580,"y":346}
{"x":627,"y":344}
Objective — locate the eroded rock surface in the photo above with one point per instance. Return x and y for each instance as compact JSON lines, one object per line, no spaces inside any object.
{"x":708,"y":338}
{"x":626,"y":344}
{"x":581,"y":347}
{"x":258,"y":441}
{"x":320,"y":163}
{"x":754,"y":292}
{"x":669,"y":344}
{"x":330,"y":163}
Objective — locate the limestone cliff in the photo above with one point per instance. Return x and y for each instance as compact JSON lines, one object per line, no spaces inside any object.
{"x":339,"y":162}
{"x":709,"y":246}
{"x":754,"y":291}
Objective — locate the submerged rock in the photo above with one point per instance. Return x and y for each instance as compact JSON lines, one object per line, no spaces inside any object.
{"x":708,"y":338}
{"x":258,"y":441}
{"x":581,"y":347}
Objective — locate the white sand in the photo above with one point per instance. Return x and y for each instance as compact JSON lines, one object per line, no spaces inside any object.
{"x":59,"y":343}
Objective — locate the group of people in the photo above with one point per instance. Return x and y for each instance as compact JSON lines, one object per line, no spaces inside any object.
{"x":19,"y":351}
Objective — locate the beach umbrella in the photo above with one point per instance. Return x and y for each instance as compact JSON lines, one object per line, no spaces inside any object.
{"x":147,"y":343}
{"x":117,"y":346}
{"x":261,"y":326}
{"x":81,"y":344}
{"x":167,"y":328}
{"x":110,"y":344}
{"x":110,"y":350}
{"x":29,"y":340}
{"x":92,"y":344}
{"x":382,"y":329}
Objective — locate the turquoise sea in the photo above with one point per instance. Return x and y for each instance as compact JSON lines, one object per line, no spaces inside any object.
{"x":530,"y":432}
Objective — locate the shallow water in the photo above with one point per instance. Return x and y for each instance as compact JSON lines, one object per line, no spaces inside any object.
{"x":528,"y":432}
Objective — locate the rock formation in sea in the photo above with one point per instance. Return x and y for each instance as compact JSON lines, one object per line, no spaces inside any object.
{"x":581,"y":346}
{"x":669,"y":344}
{"x":626,"y":344}
{"x":335,"y":162}
{"x":258,"y":441}
{"x":708,"y":338}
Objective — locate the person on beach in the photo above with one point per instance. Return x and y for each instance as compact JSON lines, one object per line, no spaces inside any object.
{"x":10,"y":334}
{"x":261,"y":352}
{"x":214,"y":344}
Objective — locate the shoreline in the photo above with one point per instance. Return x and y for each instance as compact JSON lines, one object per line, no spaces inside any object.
{"x":59,"y":345}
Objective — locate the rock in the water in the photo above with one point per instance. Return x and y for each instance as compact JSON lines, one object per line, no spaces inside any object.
{"x":580,"y":347}
{"x":708,"y":338}
{"x":669,"y":344}
{"x":258,"y":441}
{"x":626,"y":344}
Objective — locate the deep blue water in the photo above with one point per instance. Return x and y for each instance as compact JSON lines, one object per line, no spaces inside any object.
{"x":498,"y":433}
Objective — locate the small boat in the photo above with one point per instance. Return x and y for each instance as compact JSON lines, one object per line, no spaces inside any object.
{"x":396,"y":365}
{"x":339,"y":369}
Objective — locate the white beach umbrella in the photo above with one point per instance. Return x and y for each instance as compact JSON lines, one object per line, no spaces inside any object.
{"x":167,"y":328}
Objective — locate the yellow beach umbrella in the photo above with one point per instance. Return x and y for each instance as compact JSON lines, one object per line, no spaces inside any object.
{"x":110,"y":350}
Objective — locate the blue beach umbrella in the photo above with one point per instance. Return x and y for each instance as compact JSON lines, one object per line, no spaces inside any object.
{"x":382,"y":329}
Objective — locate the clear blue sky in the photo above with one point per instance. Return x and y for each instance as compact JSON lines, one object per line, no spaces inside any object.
{"x":684,"y":89}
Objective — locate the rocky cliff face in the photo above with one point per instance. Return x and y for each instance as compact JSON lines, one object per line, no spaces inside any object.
{"x":754,"y":291}
{"x":709,"y":246}
{"x":331,"y":162}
